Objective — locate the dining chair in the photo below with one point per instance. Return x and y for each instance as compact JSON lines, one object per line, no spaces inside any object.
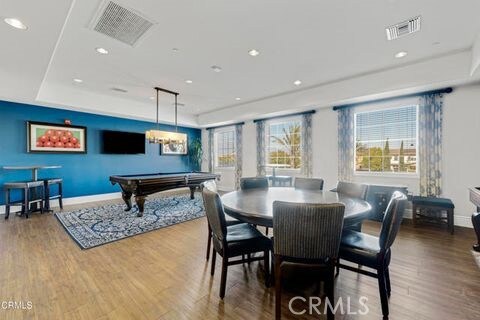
{"x":352,"y":190}
{"x":254,"y":183}
{"x":233,"y":241}
{"x":306,"y":234}
{"x":212,"y":186}
{"x":308,"y":184}
{"x":374,"y":252}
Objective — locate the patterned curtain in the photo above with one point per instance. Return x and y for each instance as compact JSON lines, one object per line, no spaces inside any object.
{"x":211,"y":155}
{"x":238,"y":159}
{"x":261,"y":161}
{"x":346,"y":144}
{"x":430,"y":118}
{"x":307,"y":145}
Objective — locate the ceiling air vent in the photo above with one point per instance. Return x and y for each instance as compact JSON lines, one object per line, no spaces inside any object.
{"x":403,"y":28}
{"x":120,"y":23}
{"x":119,"y":90}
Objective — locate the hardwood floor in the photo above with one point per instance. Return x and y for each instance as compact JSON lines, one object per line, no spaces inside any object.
{"x":164,"y":275}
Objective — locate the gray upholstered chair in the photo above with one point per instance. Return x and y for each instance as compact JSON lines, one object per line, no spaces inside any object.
{"x":308,"y":184}
{"x":374,"y":252}
{"x":212,"y":186}
{"x":233,"y":241}
{"x":353,"y":190}
{"x":306,"y":234}
{"x":254,"y":183}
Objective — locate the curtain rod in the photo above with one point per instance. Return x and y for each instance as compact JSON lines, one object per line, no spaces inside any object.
{"x":444,"y":90}
{"x":285,"y":116}
{"x":226,"y":125}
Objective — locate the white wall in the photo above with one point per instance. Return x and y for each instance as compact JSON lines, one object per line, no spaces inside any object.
{"x":461,"y":152}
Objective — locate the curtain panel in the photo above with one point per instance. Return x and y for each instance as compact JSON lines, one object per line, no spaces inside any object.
{"x":261,"y":157}
{"x":211,"y":156}
{"x":239,"y":156}
{"x":430,"y":121}
{"x":307,"y":145}
{"x":346,"y":144}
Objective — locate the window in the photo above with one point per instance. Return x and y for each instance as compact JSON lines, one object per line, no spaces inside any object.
{"x":225,"y":151}
{"x":386,"y":140}
{"x":284,"y":143}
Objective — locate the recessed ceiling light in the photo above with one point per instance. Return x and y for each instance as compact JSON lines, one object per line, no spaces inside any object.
{"x":238,"y":99}
{"x":253,"y":52}
{"x":175,"y":49}
{"x":188,"y":81}
{"x":78,"y":80}
{"x":216,"y":68}
{"x":101,"y":50}
{"x":400,"y":54}
{"x":15,"y":23}
{"x":297,"y":82}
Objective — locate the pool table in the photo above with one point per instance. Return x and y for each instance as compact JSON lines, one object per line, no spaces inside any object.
{"x":142,"y":185}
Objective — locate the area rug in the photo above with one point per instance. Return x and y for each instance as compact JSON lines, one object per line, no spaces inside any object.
{"x":91,"y":227}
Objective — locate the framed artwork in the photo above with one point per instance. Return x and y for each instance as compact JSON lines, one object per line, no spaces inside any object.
{"x":56,"y":138}
{"x":174,"y":148}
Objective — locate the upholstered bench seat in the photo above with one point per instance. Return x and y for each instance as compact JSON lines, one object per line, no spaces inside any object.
{"x":433,"y":202}
{"x":424,"y":206}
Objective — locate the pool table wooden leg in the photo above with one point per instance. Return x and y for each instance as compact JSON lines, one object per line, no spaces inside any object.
{"x":192,"y":192}
{"x":127,"y":197}
{"x":140,"y":200}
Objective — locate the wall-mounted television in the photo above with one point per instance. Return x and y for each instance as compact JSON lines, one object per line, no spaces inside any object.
{"x":118,"y":142}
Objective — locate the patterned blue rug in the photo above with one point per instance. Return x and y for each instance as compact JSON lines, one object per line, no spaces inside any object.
{"x":91,"y":227}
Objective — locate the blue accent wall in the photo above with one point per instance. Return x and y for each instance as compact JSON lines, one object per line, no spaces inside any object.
{"x":83,"y":174}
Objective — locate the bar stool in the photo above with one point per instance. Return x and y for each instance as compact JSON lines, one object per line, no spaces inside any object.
{"x":48,"y":182}
{"x":29,"y":195}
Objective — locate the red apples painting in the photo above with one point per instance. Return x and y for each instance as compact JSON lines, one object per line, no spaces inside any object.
{"x":57,"y":138}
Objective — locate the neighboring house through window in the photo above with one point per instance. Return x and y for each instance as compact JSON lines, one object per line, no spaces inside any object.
{"x":225,"y":149}
{"x":386,"y":140}
{"x":283,"y":145}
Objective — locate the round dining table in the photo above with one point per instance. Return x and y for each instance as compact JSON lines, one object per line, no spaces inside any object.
{"x":255,"y":206}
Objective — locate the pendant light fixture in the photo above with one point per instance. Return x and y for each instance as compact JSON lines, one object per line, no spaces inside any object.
{"x":166,"y":137}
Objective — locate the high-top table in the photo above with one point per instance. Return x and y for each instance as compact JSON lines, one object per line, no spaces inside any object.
{"x":34,"y":169}
{"x":255,"y":206}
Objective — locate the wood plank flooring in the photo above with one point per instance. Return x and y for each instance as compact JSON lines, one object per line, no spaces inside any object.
{"x":163,"y":275}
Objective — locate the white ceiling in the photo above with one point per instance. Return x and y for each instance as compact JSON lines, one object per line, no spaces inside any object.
{"x":317,"y":42}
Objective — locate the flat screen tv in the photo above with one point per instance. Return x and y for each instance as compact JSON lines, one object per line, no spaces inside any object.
{"x":118,"y":142}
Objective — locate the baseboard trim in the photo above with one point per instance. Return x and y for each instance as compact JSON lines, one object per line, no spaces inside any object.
{"x":78,"y":200}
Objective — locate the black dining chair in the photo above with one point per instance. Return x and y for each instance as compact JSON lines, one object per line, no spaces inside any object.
{"x":308,"y":184}
{"x":254,"y":183}
{"x":374,"y":252}
{"x":233,"y":241}
{"x":352,"y":190}
{"x":212,"y":186}
{"x":306,"y":234}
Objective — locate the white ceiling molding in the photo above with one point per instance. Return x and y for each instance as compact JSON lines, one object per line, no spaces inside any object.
{"x":435,"y":73}
{"x":93,"y":102}
{"x":475,"y":55}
